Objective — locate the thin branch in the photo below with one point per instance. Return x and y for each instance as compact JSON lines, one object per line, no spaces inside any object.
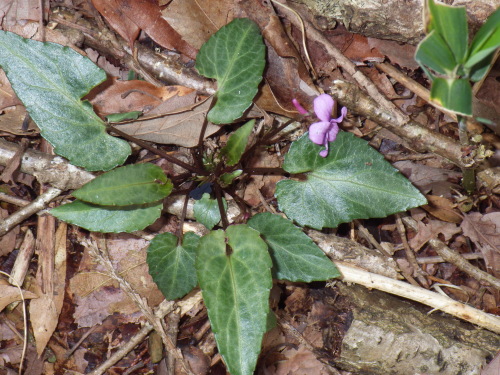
{"x":37,"y":205}
{"x":437,"y":301}
{"x":455,"y":258}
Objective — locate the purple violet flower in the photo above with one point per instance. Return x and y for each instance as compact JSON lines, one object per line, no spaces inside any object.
{"x":326,"y":130}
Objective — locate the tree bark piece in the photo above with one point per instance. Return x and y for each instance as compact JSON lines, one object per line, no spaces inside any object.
{"x":391,"y":336}
{"x":395,"y":19}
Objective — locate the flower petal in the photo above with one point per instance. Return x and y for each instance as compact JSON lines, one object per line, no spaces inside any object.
{"x":323,"y":106}
{"x":317,"y":132}
{"x":331,"y":135}
{"x":343,"y":113}
{"x":323,"y":153}
{"x":300,"y":109}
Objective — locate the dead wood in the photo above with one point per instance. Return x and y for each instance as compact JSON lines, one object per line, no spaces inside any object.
{"x":388,"y":335}
{"x":395,"y":20}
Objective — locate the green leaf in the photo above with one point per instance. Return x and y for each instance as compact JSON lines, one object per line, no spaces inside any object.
{"x":206,"y":211}
{"x":228,"y":178}
{"x":50,"y":80}
{"x":108,"y":219}
{"x":353,"y":182}
{"x":295,"y":256}
{"x":483,"y":47}
{"x":124,"y":186}
{"x":450,"y":22}
{"x":237,"y":143}
{"x":434,"y":53}
{"x":453,"y":94}
{"x":234,"y":273}
{"x":171,"y":265}
{"x":118,"y":117}
{"x":235,"y":56}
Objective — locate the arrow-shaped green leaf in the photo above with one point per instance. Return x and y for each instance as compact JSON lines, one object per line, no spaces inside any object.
{"x":234,"y":272}
{"x":50,"y":80}
{"x":235,"y":56}
{"x":353,"y":182}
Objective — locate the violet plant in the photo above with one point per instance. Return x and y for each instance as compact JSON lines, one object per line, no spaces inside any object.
{"x":335,"y":178}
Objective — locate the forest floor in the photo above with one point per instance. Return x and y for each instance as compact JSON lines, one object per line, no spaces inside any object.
{"x":80,"y":316}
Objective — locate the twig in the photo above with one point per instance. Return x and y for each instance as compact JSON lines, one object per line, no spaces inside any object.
{"x":410,"y":255}
{"x":70,"y":352}
{"x":455,"y":258}
{"x":13,"y":200}
{"x":438,"y":259}
{"x":48,"y":169}
{"x":432,"y":299}
{"x":37,"y":205}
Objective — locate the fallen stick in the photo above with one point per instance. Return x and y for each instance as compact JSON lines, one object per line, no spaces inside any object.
{"x":437,"y":301}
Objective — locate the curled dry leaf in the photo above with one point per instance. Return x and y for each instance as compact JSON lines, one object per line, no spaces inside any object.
{"x":135,"y":95}
{"x":9,"y":294}
{"x":182,"y":127}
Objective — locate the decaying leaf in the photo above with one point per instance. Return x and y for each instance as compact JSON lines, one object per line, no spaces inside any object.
{"x":135,"y":95}
{"x":145,"y":15}
{"x":44,"y":318}
{"x":9,"y":294}
{"x":431,"y":230}
{"x":180,"y":128}
{"x":97,"y":295}
{"x":484,"y":231}
{"x":197,"y":20}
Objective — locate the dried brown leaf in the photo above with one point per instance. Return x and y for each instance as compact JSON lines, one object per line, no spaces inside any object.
{"x":182,"y":128}
{"x":443,"y":209}
{"x":9,"y":294}
{"x":7,"y":96}
{"x":97,"y":295}
{"x":286,"y":73}
{"x":428,"y":178}
{"x":432,"y":230}
{"x":11,"y":121}
{"x":44,"y":318}
{"x":114,"y":14}
{"x":8,"y":241}
{"x":197,"y":20}
{"x":135,"y":95}
{"x":484,"y":231}
{"x":146,"y":15}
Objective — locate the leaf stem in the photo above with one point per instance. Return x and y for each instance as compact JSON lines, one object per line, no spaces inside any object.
{"x":468,"y":174}
{"x":218,"y":195}
{"x":263,"y":171}
{"x":159,"y":152}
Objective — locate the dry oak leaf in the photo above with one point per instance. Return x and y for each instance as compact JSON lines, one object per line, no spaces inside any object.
{"x":44,"y":318}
